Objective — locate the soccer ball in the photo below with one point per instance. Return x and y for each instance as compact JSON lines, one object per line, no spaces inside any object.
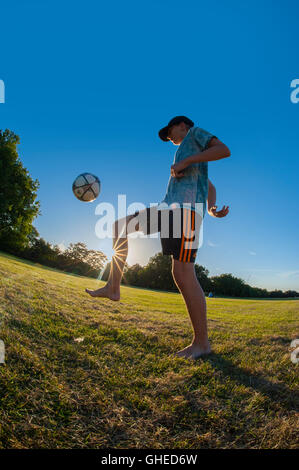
{"x":86,"y":187}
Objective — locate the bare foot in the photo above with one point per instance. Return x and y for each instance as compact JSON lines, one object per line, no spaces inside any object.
{"x":186,"y":352}
{"x":194,"y":351}
{"x":106,"y":292}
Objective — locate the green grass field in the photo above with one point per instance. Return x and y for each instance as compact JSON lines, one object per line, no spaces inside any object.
{"x":120,"y":387}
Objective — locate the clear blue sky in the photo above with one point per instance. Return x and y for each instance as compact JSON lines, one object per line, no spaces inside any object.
{"x":89,"y":84}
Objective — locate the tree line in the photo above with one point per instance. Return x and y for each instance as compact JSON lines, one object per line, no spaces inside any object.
{"x":157,"y":275}
{"x":19,"y":208}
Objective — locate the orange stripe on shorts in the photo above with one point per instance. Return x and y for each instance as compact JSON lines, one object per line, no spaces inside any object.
{"x":192,"y":230}
{"x":183,"y":237}
{"x":188,"y":236}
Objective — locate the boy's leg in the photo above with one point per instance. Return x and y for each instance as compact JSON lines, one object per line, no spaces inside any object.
{"x":194,"y":297}
{"x":120,"y":246}
{"x":121,"y":229}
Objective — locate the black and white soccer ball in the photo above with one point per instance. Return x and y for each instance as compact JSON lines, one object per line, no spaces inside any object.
{"x":86,"y":187}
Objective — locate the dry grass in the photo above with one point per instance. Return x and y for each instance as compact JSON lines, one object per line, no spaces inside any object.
{"x":120,"y":388}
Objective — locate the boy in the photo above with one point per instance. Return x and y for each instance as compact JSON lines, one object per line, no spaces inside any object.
{"x":187,"y":193}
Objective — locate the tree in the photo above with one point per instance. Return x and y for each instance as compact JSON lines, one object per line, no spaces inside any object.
{"x":83,"y":261}
{"x":41,"y":252}
{"x":291,"y":293}
{"x":32,"y":237}
{"x":276,"y":293}
{"x":227,"y":284}
{"x":132,"y":274}
{"x":18,"y":205}
{"x":155,"y":275}
{"x":202,"y":275}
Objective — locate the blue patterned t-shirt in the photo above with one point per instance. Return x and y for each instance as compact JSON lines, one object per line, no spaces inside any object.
{"x":194,"y":185}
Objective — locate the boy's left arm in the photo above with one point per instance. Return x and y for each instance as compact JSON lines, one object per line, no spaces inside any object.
{"x":212,"y":201}
{"x":216,"y":151}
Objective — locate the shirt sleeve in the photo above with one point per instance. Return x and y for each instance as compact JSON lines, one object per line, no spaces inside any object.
{"x":202,"y":137}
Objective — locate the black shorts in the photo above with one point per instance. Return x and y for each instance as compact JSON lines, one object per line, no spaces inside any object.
{"x":179,"y":230}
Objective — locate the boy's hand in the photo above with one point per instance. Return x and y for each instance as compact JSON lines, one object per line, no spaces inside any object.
{"x":177,"y":170}
{"x":222,"y":213}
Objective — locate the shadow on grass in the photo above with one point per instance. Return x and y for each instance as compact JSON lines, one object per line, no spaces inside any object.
{"x":277,"y":392}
